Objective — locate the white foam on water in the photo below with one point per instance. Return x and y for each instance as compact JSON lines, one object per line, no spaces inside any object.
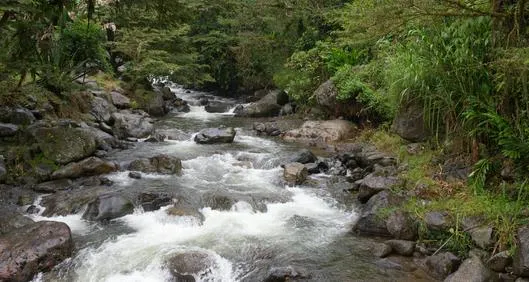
{"x":74,"y":221}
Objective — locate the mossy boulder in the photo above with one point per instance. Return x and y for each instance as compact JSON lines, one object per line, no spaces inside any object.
{"x":64,"y":144}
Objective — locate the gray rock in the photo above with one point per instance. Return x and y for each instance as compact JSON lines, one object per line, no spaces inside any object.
{"x":155,"y":105}
{"x":151,"y":201}
{"x":215,"y":135}
{"x":499,"y":261}
{"x":409,"y":123}
{"x":217,"y":107}
{"x":70,"y":202}
{"x":295,"y":173}
{"x":401,"y":226}
{"x":471,"y":270}
{"x":8,"y":129}
{"x":102,"y":110}
{"x":87,"y":167}
{"x":11,"y":220}
{"x":167,"y":94}
{"x":107,"y":207}
{"x":304,"y":157}
{"x":437,"y":221}
{"x":119,"y":100}
{"x":286,"y":110}
{"x":156,"y":138}
{"x":18,"y":116}
{"x":54,"y":186}
{"x":163,"y":164}
{"x":64,"y":144}
{"x":441,"y":265}
{"x":288,"y":273}
{"x":135,"y":175}
{"x":127,"y":124}
{"x":382,"y":250}
{"x":370,"y":221}
{"x":402,"y":247}
{"x":320,"y":132}
{"x":3,"y":170}
{"x":183,"y":266}
{"x":104,"y":141}
{"x":521,"y":256}
{"x":267,"y":128}
{"x":372,"y":185}
{"x":266,"y":107}
{"x":483,"y":237}
{"x":182,"y":207}
{"x":34,"y":248}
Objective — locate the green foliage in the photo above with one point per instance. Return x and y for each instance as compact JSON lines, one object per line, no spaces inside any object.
{"x":85,"y":44}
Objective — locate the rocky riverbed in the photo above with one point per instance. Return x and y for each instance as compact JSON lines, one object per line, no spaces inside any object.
{"x":208,"y":191}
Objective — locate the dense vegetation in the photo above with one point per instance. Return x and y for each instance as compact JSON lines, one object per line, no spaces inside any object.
{"x":464,"y":62}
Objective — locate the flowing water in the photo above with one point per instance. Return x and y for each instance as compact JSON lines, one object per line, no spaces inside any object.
{"x":270,"y":225}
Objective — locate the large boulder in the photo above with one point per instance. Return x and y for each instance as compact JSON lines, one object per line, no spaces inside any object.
{"x":68,"y":202}
{"x":34,"y":248}
{"x":267,"y":128}
{"x":107,"y":207}
{"x":119,"y":100}
{"x":163,"y":164}
{"x":101,"y":109}
{"x":304,"y":157}
{"x":87,"y":167}
{"x":19,"y":116}
{"x":182,"y":207}
{"x":521,"y":256}
{"x":320,"y":132}
{"x":265,"y":107}
{"x":372,"y":185}
{"x":215,"y":135}
{"x":65,"y":144}
{"x":155,"y":105}
{"x":185,"y":266}
{"x":104,"y":141}
{"x":127,"y":124}
{"x":8,"y":129}
{"x":295,"y":173}
{"x":217,"y":107}
{"x":409,"y":123}
{"x":11,"y":220}
{"x":167,"y":94}
{"x":326,"y":100}
{"x":401,"y":226}
{"x":471,"y":270}
{"x":371,"y":221}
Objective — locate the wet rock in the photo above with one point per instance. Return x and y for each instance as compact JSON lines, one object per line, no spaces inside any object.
{"x":107,"y":207}
{"x":304,"y":157}
{"x":402,"y":247}
{"x":471,"y":270}
{"x":437,"y":221}
{"x":181,"y":106}
{"x":287,"y":273}
{"x":102,"y":110}
{"x":8,"y":129}
{"x":217,"y":107}
{"x":10,"y":220}
{"x":104,"y":141}
{"x":483,"y":237}
{"x":312,"y":168}
{"x":54,"y":186}
{"x":167,"y":93}
{"x":521,"y":256}
{"x":369,"y":158}
{"x":156,"y":138}
{"x":135,"y":175}
{"x":34,"y":248}
{"x":64,"y":145}
{"x":183,"y":266}
{"x":372,"y":185}
{"x":401,"y":226}
{"x":295,"y":173}
{"x":203,"y":101}
{"x":300,"y":222}
{"x":386,"y":263}
{"x":18,"y":116}
{"x":3,"y":170}
{"x":154,"y":201}
{"x":127,"y":124}
{"x":320,"y":132}
{"x":265,"y":107}
{"x":119,"y":100}
{"x":409,"y":123}
{"x":156,"y":105}
{"x":219,"y":200}
{"x":162,"y":164}
{"x":441,"y":265}
{"x":370,"y":221}
{"x":382,"y":250}
{"x":70,"y":202}
{"x":182,"y":207}
{"x":267,"y":128}
{"x":499,"y":261}
{"x":87,"y":167}
{"x":215,"y":135}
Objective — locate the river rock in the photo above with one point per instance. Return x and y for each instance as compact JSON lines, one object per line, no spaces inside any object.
{"x":156,"y":138}
{"x":372,"y":185}
{"x":266,"y":107}
{"x":267,"y":128}
{"x":87,"y":167}
{"x":441,"y":265}
{"x":64,"y":144}
{"x":521,"y":256}
{"x":217,"y":107}
{"x":370,"y":221}
{"x":409,"y":123}
{"x":3,"y":170}
{"x":499,"y":261}
{"x":64,"y":203}
{"x":167,"y":94}
{"x":127,"y":124}
{"x":54,"y":186}
{"x":135,"y":175}
{"x":8,"y":129}
{"x":104,"y":141}
{"x":295,"y":173}
{"x":382,"y":250}
{"x":34,"y":248}
{"x":437,"y":221}
{"x":101,"y":109}
{"x":215,"y":135}
{"x":182,"y":207}
{"x":119,"y":100}
{"x":402,"y":247}
{"x":471,"y":270}
{"x":483,"y":237}
{"x":304,"y":157}
{"x":401,"y":226}
{"x":107,"y":207}
{"x":18,"y":116}
{"x":320,"y":132}
{"x":163,"y":164}
{"x":10,"y":219}
{"x":183,"y":266}
{"x":151,"y":201}
{"x":156,"y":105}
{"x":287,"y":273}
